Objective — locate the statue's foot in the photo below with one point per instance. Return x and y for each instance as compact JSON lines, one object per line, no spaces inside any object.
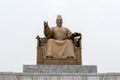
{"x":70,"y":57}
{"x":49,"y":57}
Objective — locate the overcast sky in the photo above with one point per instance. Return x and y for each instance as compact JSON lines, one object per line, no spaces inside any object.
{"x":22,"y":20}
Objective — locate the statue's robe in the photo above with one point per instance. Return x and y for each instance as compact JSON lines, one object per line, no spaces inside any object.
{"x":59,"y":44}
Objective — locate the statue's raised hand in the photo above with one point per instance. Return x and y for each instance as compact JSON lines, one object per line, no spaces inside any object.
{"x":45,"y":24}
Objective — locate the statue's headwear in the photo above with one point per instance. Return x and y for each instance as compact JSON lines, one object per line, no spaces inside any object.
{"x":59,"y":16}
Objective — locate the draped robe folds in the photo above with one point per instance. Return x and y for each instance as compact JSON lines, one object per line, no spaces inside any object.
{"x":59,"y":44}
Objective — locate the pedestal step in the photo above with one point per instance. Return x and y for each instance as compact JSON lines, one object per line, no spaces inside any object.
{"x":59,"y":69}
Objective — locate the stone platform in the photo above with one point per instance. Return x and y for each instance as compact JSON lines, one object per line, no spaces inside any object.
{"x":59,"y":72}
{"x":59,"y":76}
{"x":59,"y":69}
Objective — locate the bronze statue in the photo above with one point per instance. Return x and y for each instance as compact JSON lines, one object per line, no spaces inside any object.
{"x":60,"y":45}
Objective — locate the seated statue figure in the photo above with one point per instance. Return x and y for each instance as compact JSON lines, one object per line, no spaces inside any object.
{"x":60,"y":40}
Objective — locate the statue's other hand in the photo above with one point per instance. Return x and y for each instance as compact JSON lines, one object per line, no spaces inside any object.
{"x":45,"y":24}
{"x":76,"y":34}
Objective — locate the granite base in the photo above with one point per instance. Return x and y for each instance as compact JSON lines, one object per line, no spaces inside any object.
{"x":59,"y":69}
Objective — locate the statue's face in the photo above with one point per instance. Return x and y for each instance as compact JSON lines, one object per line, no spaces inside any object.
{"x":59,"y":21}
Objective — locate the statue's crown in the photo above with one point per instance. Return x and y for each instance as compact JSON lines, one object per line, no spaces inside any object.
{"x":59,"y":16}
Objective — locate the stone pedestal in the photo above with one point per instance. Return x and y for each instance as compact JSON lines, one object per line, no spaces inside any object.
{"x":60,"y":69}
{"x":59,"y":72}
{"x":59,"y":76}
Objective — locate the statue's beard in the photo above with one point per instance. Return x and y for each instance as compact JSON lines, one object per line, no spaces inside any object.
{"x":59,"y":24}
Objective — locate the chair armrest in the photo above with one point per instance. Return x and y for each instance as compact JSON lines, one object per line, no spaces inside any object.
{"x":41,"y":41}
{"x":77,"y":41}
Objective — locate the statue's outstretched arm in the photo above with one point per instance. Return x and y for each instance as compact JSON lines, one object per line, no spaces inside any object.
{"x":47,"y":30}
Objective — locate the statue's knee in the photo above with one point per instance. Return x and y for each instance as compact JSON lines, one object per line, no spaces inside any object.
{"x":50,"y":40}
